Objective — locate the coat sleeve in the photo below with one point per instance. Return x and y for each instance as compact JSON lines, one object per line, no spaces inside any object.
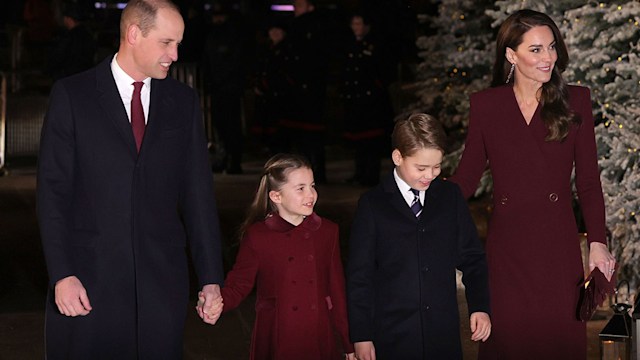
{"x":360,"y":274}
{"x":199,"y":206}
{"x":55,"y":184}
{"x":586,"y":169}
{"x":242,"y":277}
{"x":338,"y":294}
{"x":474,"y":157}
{"x":472,"y":260}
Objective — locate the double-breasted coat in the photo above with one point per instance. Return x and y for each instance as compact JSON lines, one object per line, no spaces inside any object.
{"x":300,"y":304}
{"x":533,"y":251}
{"x":401,"y":272}
{"x":121,"y":221}
{"x":363,"y":89}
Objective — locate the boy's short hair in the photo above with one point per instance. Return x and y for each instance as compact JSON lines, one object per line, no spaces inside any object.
{"x":418,"y":131}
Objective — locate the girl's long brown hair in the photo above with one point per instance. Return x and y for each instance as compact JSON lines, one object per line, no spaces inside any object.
{"x":274,"y":176}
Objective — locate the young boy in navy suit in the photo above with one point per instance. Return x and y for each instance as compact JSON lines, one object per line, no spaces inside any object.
{"x":409,"y":236}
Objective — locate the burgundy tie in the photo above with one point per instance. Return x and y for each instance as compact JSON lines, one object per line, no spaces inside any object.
{"x":137,"y":114}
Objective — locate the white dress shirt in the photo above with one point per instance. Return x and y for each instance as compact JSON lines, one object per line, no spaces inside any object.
{"x":405,"y":190}
{"x":124,"y":82}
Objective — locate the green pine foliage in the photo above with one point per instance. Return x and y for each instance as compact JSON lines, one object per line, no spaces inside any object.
{"x":603,"y":40}
{"x":456,"y":62}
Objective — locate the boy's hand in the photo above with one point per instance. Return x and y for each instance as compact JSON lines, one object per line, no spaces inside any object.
{"x":365,"y":350}
{"x":480,"y":326}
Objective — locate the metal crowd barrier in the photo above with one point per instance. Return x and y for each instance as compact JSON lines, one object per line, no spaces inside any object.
{"x":25,"y":115}
{"x":190,"y":74}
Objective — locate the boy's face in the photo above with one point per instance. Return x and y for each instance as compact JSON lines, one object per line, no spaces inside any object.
{"x":419,"y":169}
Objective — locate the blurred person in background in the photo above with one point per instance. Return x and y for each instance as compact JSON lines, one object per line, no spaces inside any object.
{"x":224,"y":64}
{"x":75,"y":48}
{"x":306,"y":127}
{"x":367,"y":108}
{"x":272,"y":87}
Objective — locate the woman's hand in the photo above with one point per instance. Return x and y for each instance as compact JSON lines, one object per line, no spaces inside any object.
{"x":601,"y":258}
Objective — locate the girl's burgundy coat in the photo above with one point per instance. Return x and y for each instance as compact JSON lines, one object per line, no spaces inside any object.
{"x":300,"y":301}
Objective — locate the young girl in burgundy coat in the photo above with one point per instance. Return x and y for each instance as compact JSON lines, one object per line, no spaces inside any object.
{"x":292,"y":255}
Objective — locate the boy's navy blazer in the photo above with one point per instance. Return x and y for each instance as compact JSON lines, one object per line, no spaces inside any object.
{"x":121,"y":221}
{"x":401,"y":277}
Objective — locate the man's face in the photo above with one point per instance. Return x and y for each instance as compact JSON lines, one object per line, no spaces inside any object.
{"x":154,"y":53}
{"x":359,"y":28}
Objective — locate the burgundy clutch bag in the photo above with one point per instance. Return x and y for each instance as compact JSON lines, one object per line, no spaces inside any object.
{"x":593,"y":291}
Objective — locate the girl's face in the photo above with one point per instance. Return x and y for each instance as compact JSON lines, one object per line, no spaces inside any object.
{"x":419,"y":169}
{"x":535,"y":57}
{"x":297,"y":197}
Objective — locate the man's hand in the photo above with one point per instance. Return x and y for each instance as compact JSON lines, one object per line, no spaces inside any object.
{"x":71,"y":297}
{"x":210,"y":303}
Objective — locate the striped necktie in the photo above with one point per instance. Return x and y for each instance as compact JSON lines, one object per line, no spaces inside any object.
{"x":416,"y":206}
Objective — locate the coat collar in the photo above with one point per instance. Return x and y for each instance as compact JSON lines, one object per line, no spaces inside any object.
{"x":390,"y":187}
{"x":160,"y":103}
{"x":276,"y":223}
{"x":111,"y":103}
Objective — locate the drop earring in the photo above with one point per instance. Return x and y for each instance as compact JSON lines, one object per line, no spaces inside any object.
{"x":513,"y":67}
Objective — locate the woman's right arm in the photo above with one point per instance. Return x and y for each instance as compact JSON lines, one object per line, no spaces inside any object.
{"x":474,"y":158}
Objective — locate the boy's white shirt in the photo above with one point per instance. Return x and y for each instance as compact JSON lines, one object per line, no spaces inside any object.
{"x":405,"y":190}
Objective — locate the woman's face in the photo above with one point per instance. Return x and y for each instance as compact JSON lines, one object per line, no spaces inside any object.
{"x":535,"y":57}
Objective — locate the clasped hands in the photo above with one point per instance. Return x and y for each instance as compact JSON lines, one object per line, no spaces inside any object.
{"x":210,"y":303}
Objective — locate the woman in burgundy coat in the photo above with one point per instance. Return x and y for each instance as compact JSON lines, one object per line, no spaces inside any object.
{"x":293,"y":257}
{"x":533,"y":130}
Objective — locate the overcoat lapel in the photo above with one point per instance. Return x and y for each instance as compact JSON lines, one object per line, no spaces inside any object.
{"x":396,"y":199}
{"x":111,"y":103}
{"x":431,"y":201}
{"x":531,"y":146}
{"x":159,"y":106}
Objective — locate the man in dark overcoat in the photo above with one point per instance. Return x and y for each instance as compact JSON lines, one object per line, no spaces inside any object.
{"x":124,"y":187}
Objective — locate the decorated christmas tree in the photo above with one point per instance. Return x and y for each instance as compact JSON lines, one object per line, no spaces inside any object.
{"x":457,"y":61}
{"x":603,"y":41}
